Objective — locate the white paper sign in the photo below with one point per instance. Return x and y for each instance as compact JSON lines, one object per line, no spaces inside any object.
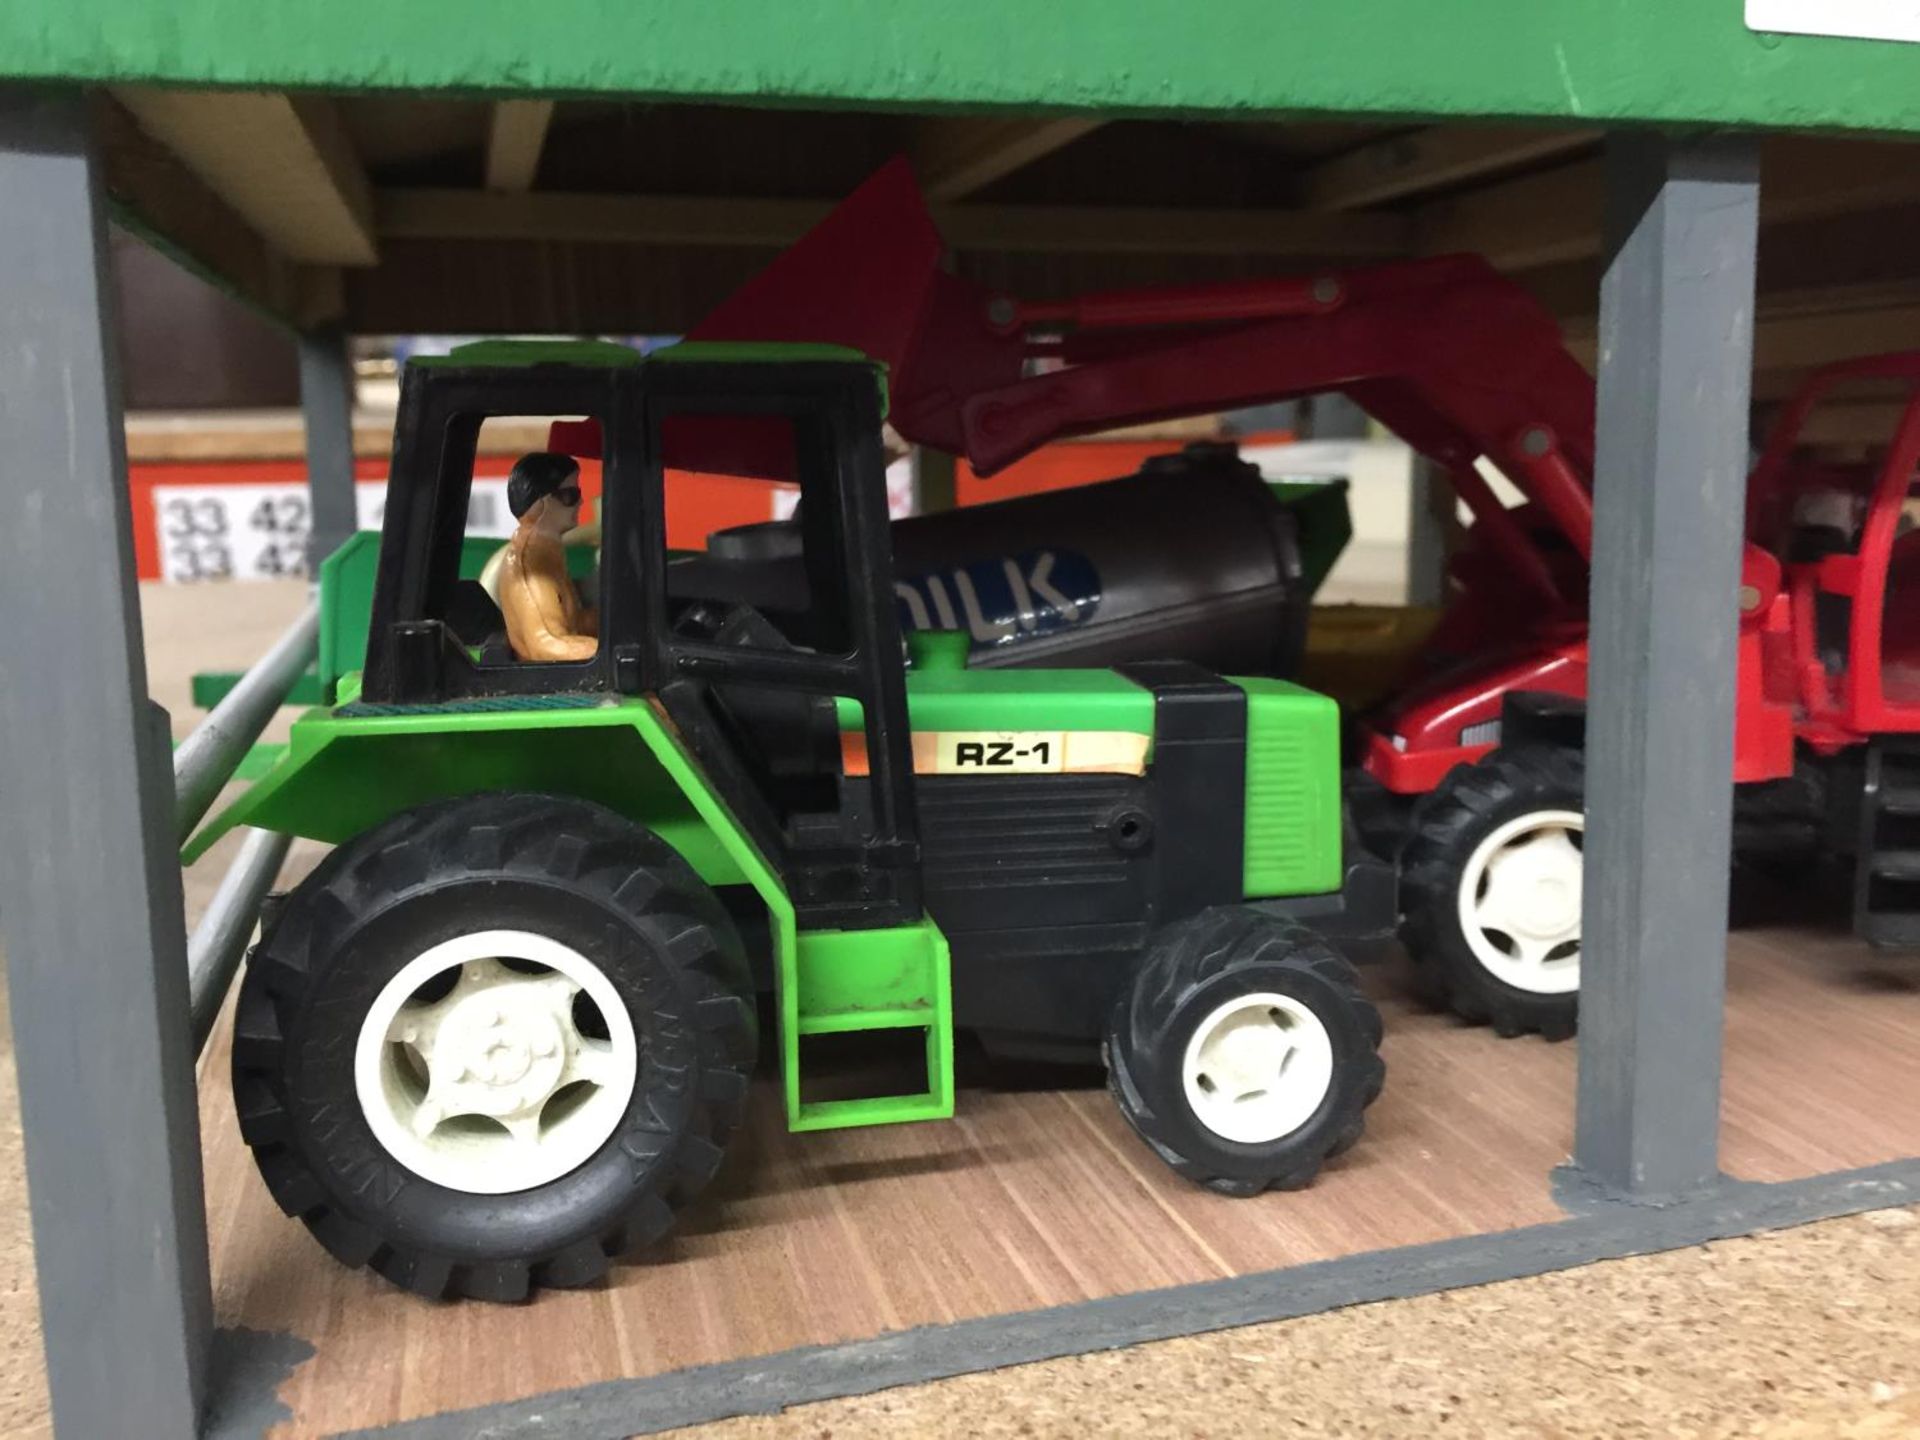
{"x":259,"y":532}
{"x":231,"y":532}
{"x":1855,"y":19}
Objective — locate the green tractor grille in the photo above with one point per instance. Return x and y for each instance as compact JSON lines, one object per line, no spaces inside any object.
{"x":1293,"y":795}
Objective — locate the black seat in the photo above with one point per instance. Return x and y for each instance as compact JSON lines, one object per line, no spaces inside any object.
{"x":472,"y":614}
{"x":477,"y":623}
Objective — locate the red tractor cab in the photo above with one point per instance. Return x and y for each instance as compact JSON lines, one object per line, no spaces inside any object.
{"x":1846,"y":535}
{"x":1827,"y":697}
{"x":1451,"y":710}
{"x":1820,"y":533}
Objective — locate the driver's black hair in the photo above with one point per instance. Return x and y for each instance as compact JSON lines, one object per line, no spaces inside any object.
{"x":537,"y":475}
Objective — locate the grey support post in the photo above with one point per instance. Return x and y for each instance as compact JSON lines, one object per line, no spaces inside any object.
{"x":326,"y":402}
{"x":1676,"y":355}
{"x":90,"y":908}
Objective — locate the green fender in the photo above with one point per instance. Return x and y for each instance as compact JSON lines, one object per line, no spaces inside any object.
{"x":348,"y":769}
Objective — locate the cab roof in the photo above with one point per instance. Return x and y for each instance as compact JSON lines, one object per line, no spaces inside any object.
{"x":611,"y":355}
{"x":702,"y":441}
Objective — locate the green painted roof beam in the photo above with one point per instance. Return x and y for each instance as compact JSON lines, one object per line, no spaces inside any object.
{"x":1580,"y":61}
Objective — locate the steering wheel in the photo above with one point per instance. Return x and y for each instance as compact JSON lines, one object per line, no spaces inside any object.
{"x":730,"y":622}
{"x":789,"y":737}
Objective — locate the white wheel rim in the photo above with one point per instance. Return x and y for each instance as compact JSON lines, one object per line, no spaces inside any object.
{"x":1520,"y":902}
{"x":1258,"y":1068}
{"x":493,"y":1086}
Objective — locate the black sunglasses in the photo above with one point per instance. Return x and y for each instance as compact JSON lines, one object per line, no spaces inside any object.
{"x":568,"y":494}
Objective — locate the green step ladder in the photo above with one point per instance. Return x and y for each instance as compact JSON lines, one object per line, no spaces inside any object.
{"x":845,"y":981}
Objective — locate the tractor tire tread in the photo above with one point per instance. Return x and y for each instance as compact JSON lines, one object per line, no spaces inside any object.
{"x":572,"y":842}
{"x":1448,"y":824}
{"x":1186,"y":956}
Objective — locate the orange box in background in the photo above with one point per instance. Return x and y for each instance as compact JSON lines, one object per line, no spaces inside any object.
{"x":699,"y":504}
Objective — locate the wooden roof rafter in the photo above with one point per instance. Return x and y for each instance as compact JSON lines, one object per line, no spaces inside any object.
{"x":283,"y":163}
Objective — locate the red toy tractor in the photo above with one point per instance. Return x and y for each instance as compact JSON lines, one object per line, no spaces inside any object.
{"x":1828,"y":692}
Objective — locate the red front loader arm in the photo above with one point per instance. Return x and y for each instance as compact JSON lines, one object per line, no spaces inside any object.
{"x":1454,"y":358}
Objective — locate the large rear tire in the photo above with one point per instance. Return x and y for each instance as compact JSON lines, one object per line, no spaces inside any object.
{"x":492,"y":1044}
{"x":1243,"y":1052}
{"x":1491,"y":889}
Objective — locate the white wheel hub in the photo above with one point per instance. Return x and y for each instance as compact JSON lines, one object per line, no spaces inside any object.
{"x":499,"y":1076}
{"x":1520,"y":901}
{"x":1258,"y":1068}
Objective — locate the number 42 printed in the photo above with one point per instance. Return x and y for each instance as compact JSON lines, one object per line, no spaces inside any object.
{"x":222,"y":532}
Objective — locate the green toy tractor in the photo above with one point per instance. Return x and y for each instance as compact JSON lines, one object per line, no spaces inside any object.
{"x":505,"y":1030}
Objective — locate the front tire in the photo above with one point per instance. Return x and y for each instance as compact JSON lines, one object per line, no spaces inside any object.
{"x":492,"y":1044}
{"x":1491,"y":881}
{"x":1243,"y":1051}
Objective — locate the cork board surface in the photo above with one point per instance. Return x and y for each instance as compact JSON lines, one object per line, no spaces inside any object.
{"x":1804,"y":1334}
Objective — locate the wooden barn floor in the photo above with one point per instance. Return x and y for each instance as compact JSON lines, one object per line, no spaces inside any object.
{"x":1033,"y":1198}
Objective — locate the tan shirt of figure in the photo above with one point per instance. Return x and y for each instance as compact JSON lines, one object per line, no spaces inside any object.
{"x":545,"y":619}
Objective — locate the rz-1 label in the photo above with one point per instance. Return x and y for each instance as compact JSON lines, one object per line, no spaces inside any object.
{"x":1012,"y":752}
{"x":1006,"y":752}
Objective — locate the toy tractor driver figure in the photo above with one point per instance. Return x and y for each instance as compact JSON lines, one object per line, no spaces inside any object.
{"x":545,"y":619}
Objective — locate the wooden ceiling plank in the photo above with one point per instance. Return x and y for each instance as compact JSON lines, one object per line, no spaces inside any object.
{"x":1797,"y":330}
{"x":1554,"y":217}
{"x":1808,"y":179}
{"x":516,"y":134}
{"x":283,"y":163}
{"x":1545,"y":219}
{"x":450,"y":214}
{"x":155,"y":196}
{"x":1805,"y":340}
{"x":953,"y":158}
{"x":1868,"y":424}
{"x":1429,"y":159}
{"x":1125,"y":230}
